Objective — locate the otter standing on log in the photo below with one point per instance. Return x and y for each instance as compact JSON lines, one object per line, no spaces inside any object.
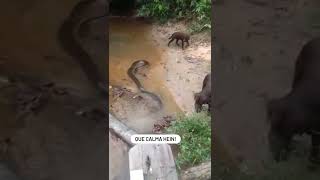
{"x":179,"y":36}
{"x":131,"y":73}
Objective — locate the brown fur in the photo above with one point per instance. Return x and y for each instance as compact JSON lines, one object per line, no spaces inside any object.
{"x":203,"y":97}
{"x":179,"y":36}
{"x":298,"y":112}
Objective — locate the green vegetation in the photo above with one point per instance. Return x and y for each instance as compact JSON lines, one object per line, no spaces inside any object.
{"x":195,"y":133}
{"x":198,"y":11}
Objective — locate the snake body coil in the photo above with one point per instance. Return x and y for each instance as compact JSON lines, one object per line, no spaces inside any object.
{"x":70,"y":41}
{"x":131,"y":73}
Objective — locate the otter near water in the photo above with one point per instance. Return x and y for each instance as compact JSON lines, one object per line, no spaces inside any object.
{"x":131,"y":73}
{"x":180,"y":36}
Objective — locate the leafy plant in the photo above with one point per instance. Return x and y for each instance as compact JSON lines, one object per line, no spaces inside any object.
{"x":195,"y":133}
{"x":199,"y":11}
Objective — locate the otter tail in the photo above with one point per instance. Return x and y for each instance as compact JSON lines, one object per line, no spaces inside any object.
{"x":170,"y":37}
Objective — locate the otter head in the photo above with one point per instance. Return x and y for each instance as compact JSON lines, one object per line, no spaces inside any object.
{"x":140,"y":63}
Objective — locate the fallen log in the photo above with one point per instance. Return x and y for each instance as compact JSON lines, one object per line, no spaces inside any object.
{"x":200,"y":172}
{"x":121,"y":130}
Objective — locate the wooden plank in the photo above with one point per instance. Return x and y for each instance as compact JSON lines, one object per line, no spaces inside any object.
{"x":155,"y":160}
{"x":121,"y":129}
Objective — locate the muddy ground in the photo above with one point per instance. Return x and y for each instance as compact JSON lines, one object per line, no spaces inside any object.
{"x":175,"y":75}
{"x":184,"y":69}
{"x":256,"y":44}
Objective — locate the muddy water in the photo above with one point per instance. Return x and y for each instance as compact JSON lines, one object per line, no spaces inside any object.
{"x":131,"y":40}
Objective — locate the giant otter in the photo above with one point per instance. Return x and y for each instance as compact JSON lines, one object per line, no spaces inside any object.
{"x":203,"y":97}
{"x":179,"y":36}
{"x":298,"y":111}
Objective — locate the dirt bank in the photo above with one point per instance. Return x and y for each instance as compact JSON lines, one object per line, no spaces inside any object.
{"x":184,"y":69}
{"x":174,"y":74}
{"x":130,"y":41}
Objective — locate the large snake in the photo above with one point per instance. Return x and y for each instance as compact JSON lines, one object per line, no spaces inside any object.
{"x":131,"y":73}
{"x":69,"y":39}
